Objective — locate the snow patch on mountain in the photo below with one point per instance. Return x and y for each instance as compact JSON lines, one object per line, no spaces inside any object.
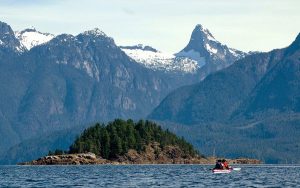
{"x":1,"y":43}
{"x":91,"y":69}
{"x":95,"y":32}
{"x":210,"y":49}
{"x":157,"y":60}
{"x":237,"y":53}
{"x":30,"y":38}
{"x":192,"y":54}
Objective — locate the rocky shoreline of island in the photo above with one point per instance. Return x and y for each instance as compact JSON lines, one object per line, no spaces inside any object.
{"x":170,"y":155}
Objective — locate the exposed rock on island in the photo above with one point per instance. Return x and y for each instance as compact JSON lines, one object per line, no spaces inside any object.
{"x":152,"y":155}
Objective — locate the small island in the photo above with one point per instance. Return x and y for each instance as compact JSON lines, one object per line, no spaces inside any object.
{"x":129,"y":142}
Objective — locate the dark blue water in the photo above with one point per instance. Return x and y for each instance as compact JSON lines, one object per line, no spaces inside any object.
{"x":147,"y":176}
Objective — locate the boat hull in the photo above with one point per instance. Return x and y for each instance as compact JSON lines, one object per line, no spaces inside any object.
{"x":220,"y":171}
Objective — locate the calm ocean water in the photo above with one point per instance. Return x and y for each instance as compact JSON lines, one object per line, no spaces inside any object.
{"x":147,"y":176}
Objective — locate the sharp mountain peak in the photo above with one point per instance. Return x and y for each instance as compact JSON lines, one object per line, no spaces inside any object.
{"x":200,"y":32}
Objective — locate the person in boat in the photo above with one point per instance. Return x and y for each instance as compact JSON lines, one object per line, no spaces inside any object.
{"x":218,"y":164}
{"x":225,"y":164}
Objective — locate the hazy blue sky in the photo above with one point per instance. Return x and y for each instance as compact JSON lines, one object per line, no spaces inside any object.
{"x":164,"y":24}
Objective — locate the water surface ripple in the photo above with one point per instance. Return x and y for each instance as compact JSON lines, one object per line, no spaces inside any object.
{"x":147,"y":176}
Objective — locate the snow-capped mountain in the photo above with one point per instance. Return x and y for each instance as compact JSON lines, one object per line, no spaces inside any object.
{"x":157,"y":60}
{"x":209,"y":52}
{"x":30,"y":38}
{"x":203,"y":54}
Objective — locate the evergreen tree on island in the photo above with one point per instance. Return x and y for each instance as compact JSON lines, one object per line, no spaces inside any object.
{"x":117,"y":137}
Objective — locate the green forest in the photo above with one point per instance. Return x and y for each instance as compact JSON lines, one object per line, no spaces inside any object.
{"x":117,"y":137}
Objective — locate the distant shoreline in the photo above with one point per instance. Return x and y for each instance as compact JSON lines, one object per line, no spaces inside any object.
{"x":92,"y":159}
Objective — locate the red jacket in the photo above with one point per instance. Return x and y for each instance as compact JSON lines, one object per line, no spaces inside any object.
{"x":225,"y":164}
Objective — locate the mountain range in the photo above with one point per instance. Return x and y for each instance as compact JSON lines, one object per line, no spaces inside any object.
{"x":73,"y":80}
{"x":54,"y":83}
{"x":53,"y":86}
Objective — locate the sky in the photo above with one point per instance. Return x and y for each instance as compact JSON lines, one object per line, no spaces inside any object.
{"x":248,"y":25}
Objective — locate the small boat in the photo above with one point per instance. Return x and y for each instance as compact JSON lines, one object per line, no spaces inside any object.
{"x":225,"y":171}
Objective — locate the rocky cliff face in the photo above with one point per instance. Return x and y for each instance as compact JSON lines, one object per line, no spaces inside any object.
{"x":8,"y":39}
